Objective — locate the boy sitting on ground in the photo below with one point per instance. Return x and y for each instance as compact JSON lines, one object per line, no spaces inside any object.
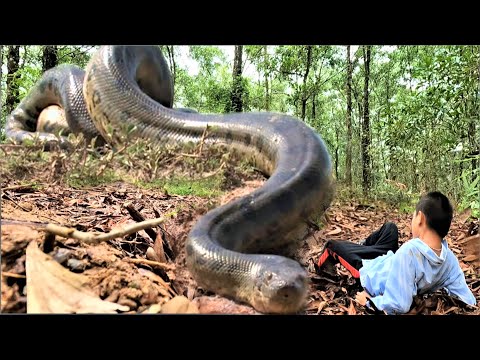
{"x":391,"y":275}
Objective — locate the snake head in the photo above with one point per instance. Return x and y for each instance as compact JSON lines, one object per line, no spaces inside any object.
{"x":281,"y":286}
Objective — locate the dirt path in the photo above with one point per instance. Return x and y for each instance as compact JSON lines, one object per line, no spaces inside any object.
{"x":144,"y":271}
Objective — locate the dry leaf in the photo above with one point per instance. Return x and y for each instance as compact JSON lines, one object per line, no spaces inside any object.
{"x":321,"y":306}
{"x":53,"y":289}
{"x":351,"y":309}
{"x":151,"y":255}
{"x":453,"y":308}
{"x":470,"y":258}
{"x":324,"y":296}
{"x":334,"y":232}
{"x":349,"y":227}
{"x":179,"y":305}
{"x":470,"y":238}
{"x":154,"y":309}
{"x":158,"y":247}
{"x":313,"y":305}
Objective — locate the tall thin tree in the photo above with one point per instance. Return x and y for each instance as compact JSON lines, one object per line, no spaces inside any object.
{"x":267,"y":92}
{"x":172,"y":64}
{"x":366,"y":122}
{"x":305,"y":95}
{"x":12,"y":93}
{"x":348,"y":160}
{"x":49,"y":57}
{"x":237,"y":88}
{"x":1,"y":86}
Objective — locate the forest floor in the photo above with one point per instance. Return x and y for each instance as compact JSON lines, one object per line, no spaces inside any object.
{"x":145,"y":271}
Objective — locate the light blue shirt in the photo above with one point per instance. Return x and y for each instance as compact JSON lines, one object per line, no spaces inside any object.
{"x":393,"y":279}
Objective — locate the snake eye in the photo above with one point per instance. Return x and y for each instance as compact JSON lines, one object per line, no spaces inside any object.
{"x":269,"y":276}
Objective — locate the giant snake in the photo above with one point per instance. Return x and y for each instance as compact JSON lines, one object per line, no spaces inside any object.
{"x":127,"y":91}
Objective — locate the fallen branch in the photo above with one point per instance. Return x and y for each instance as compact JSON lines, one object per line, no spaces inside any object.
{"x":90,"y":237}
{"x":214,"y":172}
{"x":9,"y":274}
{"x":22,"y":222}
{"x":190,"y":155}
{"x":135,"y":214}
{"x":151,"y":263}
{"x":14,"y":202}
{"x":18,"y":187}
{"x":202,"y":140}
{"x":12,"y":146}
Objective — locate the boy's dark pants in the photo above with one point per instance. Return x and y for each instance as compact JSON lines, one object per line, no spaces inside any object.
{"x":350,"y":254}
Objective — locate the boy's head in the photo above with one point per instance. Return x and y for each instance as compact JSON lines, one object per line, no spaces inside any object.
{"x":433,"y":211}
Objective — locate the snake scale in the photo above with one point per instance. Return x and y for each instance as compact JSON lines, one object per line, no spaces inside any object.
{"x":231,"y":250}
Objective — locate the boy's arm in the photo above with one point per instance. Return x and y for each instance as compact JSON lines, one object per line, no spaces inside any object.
{"x":459,"y":288}
{"x":400,"y":286}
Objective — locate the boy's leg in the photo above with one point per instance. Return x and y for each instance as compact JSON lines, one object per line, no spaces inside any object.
{"x":386,"y":236}
{"x":351,"y":254}
{"x":345,"y":252}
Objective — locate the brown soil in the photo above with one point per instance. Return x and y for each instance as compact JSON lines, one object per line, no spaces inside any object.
{"x":144,"y":286}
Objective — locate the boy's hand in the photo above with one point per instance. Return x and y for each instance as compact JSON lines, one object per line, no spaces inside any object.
{"x":361,"y":297}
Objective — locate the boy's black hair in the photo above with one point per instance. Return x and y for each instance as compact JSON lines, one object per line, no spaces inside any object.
{"x":438,"y":211}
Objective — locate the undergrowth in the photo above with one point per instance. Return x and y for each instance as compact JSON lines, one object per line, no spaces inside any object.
{"x":186,"y":170}
{"x":389,"y":193}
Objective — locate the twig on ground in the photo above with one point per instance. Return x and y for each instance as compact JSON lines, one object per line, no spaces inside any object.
{"x":202,"y":140}
{"x":190,"y":155}
{"x":151,"y":263}
{"x":5,"y":221}
{"x":135,"y":214}
{"x":18,"y":187}
{"x":13,"y":201}
{"x":214,"y":172}
{"x":99,"y":237}
{"x":9,"y":274}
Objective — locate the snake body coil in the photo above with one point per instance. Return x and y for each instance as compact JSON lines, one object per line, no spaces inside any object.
{"x":231,"y":249}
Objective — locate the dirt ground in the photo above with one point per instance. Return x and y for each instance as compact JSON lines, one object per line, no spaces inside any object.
{"x":145,"y":272}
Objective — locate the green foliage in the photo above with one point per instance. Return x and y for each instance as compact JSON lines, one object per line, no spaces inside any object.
{"x":208,"y":187}
{"x":471,"y":193}
{"x":424,"y":105}
{"x":79,"y":179}
{"x":78,"y":55}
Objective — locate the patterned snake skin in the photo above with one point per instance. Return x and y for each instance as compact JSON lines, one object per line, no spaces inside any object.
{"x":233,"y":249}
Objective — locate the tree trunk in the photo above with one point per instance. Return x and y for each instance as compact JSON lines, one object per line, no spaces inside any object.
{"x":366,"y":123}
{"x":472,"y":145}
{"x":49,"y":57}
{"x":314,"y":110}
{"x":1,"y":86}
{"x":348,"y":163}
{"x":472,"y":133}
{"x":237,"y":88}
{"x":336,"y":151}
{"x":305,"y":78}
{"x":1,"y":72}
{"x":13,"y":59}
{"x":171,"y":60}
{"x":267,"y":91}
